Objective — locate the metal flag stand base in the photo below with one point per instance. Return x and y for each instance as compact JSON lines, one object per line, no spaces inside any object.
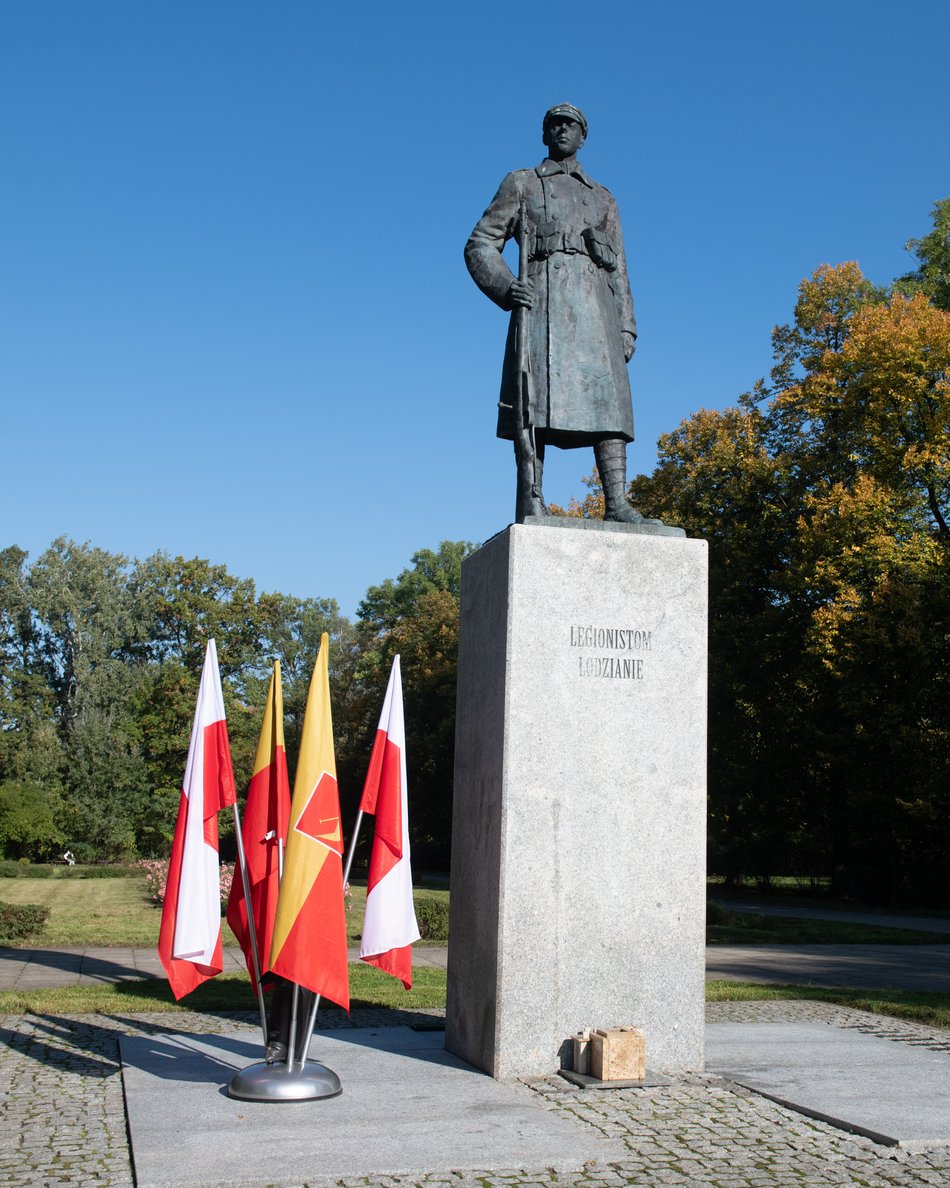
{"x":283,"y":1082}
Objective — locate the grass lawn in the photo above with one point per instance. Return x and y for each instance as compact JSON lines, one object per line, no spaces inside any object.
{"x":369,"y":987}
{"x":227,"y":992}
{"x":88,"y":911}
{"x":116,"y":911}
{"x":754,"y":929}
{"x":356,"y":906}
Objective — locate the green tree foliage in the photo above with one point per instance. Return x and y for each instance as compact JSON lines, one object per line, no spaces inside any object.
{"x":395,"y":599}
{"x":932,"y":275}
{"x":184,"y":603}
{"x":417,"y":615}
{"x":825,"y":497}
{"x":28,"y":741}
{"x":292,"y":633}
{"x":71,"y":624}
{"x":28,"y":826}
{"x":100,"y":660}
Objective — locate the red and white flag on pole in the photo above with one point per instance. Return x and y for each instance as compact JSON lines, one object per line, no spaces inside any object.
{"x":389,"y":927}
{"x":189,"y":942}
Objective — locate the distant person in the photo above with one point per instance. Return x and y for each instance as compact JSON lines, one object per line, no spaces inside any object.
{"x":69,"y":858}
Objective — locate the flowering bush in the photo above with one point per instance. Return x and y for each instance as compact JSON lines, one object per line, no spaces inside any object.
{"x":225,"y":877}
{"x":156,"y":879}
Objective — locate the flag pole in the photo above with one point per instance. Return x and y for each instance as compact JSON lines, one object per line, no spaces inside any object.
{"x":251,"y":927}
{"x":292,"y":1038}
{"x":353,"y":840}
{"x":312,"y":1021}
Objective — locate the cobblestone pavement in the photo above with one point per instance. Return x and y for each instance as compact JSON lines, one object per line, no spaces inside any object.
{"x":63,"y":1119}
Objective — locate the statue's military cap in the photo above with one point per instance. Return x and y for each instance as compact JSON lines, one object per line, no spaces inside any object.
{"x":565,"y":109}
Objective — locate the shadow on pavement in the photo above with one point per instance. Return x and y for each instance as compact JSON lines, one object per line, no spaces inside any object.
{"x":83,"y":1058}
{"x":72,"y":961}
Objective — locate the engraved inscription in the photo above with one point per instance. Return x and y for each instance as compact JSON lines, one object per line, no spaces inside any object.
{"x":614,"y":639}
{"x":611,"y":668}
{"x":599,"y":640}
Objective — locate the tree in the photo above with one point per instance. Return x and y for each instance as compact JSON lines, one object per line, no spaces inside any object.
{"x":100,"y":661}
{"x":29,"y":744}
{"x":186,"y":602}
{"x":395,"y":599}
{"x":28,"y":826}
{"x":416,"y":615}
{"x":825,"y":497}
{"x":932,"y":275}
{"x":427,"y":642}
{"x":86,"y":641}
{"x":292,"y":631}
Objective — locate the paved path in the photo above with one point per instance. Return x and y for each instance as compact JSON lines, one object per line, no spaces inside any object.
{"x":63,"y":1121}
{"x":909,"y":967}
{"x":63,"y":1118}
{"x":868,"y":967}
{"x":31,"y":969}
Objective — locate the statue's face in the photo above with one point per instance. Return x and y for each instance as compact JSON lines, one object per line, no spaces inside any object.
{"x":563,"y":136}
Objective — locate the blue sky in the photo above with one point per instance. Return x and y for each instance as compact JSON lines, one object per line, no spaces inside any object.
{"x":234,"y":317}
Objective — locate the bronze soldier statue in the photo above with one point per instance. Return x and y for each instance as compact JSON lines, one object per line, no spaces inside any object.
{"x":572,"y":332}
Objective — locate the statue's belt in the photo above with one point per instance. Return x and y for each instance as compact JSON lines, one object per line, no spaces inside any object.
{"x":551,"y":238}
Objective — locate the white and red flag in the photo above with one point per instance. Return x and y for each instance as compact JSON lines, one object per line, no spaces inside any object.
{"x":189,"y":942}
{"x":389,"y":927}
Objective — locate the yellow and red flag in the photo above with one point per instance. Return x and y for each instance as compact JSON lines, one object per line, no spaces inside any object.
{"x":264,"y":831}
{"x":309,"y":944}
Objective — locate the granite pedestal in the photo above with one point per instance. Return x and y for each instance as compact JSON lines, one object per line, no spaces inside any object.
{"x":578,"y":837}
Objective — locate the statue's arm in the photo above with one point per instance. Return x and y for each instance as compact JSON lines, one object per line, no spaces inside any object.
{"x":492,"y":231}
{"x":620,"y":282}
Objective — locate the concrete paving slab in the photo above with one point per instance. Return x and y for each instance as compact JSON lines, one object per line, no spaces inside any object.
{"x":102,"y":966}
{"x":891,"y":1092}
{"x":41,"y":967}
{"x":407,"y":1106}
{"x":912,"y":967}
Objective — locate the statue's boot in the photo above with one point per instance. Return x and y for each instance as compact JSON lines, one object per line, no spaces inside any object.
{"x":528,"y":498}
{"x":611,"y":456}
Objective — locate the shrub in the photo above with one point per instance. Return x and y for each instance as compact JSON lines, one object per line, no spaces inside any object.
{"x":156,"y":878}
{"x":21,"y":920}
{"x":715,"y":912}
{"x":98,"y":872}
{"x":432,"y":916}
{"x":225,"y":877}
{"x":9,"y":869}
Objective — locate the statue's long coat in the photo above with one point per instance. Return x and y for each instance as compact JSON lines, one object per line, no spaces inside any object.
{"x":582,"y":302}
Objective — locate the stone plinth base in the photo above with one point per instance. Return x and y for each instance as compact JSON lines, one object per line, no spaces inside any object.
{"x":578,"y":835}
